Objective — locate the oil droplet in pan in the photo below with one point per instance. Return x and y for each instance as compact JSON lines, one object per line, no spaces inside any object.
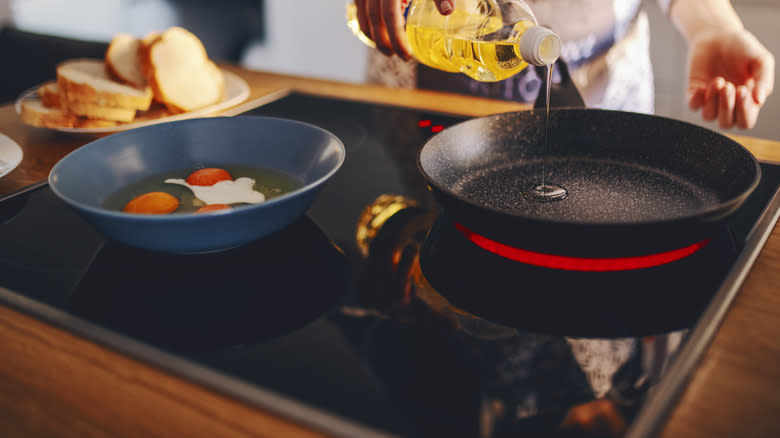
{"x":548,"y":192}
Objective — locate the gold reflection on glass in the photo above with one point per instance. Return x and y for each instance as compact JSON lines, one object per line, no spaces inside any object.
{"x":375,"y":215}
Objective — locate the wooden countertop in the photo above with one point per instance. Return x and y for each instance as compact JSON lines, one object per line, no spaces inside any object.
{"x":53,"y":383}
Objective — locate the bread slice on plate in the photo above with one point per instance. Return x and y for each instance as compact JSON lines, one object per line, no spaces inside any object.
{"x":84,"y":115}
{"x":123,"y":61}
{"x":87,"y":81}
{"x":50,"y":95}
{"x":177,"y":68}
{"x":137,"y":80}
{"x":148,"y":39}
{"x":85,"y":123}
{"x":92,"y":111}
{"x":35,"y":113}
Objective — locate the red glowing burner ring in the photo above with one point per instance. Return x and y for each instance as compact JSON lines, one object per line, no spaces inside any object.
{"x":584,"y":264}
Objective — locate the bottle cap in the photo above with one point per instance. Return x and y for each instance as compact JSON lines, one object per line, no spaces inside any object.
{"x":540,"y":46}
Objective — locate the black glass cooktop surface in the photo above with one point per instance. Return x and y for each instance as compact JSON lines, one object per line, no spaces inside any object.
{"x":354,"y":332}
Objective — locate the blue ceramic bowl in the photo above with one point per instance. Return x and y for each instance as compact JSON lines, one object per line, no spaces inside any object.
{"x":88,"y":176}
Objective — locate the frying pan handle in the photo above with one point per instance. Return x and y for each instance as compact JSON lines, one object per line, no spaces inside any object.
{"x":563,"y":94}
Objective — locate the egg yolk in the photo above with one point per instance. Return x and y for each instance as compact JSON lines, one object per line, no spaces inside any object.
{"x":212,"y":207}
{"x":208,"y":176}
{"x":152,"y":203}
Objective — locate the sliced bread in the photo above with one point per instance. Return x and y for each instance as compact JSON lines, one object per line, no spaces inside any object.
{"x":91,"y":115}
{"x":148,"y":39}
{"x":178,"y":69}
{"x":92,"y":111}
{"x":50,"y":95}
{"x":87,"y":81}
{"x":95,"y":123}
{"x":123,"y":62}
{"x":35,"y":113}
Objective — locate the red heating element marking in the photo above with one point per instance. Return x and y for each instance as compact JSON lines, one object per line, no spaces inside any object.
{"x":585,"y":264}
{"x":427,"y":123}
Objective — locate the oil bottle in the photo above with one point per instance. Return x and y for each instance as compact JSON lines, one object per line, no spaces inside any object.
{"x":488,"y":40}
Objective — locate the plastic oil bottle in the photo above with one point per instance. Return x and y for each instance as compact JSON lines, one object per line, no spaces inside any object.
{"x":488,"y":40}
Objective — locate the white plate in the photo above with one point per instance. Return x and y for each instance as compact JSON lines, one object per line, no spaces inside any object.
{"x":10,"y":155}
{"x":236,"y":91}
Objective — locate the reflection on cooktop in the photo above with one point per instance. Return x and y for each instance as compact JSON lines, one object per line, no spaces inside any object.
{"x":196,"y":303}
{"x":636,"y":302}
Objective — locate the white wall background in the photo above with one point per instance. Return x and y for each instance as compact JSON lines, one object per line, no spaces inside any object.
{"x":96,"y":20}
{"x":310,"y":38}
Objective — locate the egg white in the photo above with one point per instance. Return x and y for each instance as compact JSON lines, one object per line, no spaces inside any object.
{"x":239,"y":191}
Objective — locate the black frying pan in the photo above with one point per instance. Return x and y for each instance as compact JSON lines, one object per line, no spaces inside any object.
{"x":637,"y":184}
{"x":645,"y":213}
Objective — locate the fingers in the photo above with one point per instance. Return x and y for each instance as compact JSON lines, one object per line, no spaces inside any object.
{"x":377,"y":27}
{"x":710,"y":107}
{"x":736,"y":97}
{"x":383,"y":22}
{"x":696,"y":96}
{"x":763,"y":72}
{"x":392,"y":11}
{"x":730,"y":105}
{"x":726,"y":106}
{"x":740,"y":111}
{"x":362,"y":17}
{"x":746,"y":109}
{"x":445,"y":7}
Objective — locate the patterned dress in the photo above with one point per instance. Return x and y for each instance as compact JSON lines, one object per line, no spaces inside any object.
{"x":605,"y":44}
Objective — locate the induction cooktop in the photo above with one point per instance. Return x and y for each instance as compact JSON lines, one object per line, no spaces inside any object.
{"x":305,"y":323}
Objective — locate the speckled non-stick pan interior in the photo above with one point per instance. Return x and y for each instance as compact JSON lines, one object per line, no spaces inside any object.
{"x":618,"y":167}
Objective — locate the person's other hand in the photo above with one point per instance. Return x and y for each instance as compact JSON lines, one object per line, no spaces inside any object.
{"x":383,"y":22}
{"x":730,"y":77}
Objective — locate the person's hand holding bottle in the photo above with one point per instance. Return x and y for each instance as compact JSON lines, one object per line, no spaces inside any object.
{"x":383,"y":22}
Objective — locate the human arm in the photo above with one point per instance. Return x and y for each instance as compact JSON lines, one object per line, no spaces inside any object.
{"x":730,"y":73}
{"x":383,"y":22}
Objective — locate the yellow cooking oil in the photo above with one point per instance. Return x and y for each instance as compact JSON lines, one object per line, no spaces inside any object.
{"x":477,"y":52}
{"x":468,"y":40}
